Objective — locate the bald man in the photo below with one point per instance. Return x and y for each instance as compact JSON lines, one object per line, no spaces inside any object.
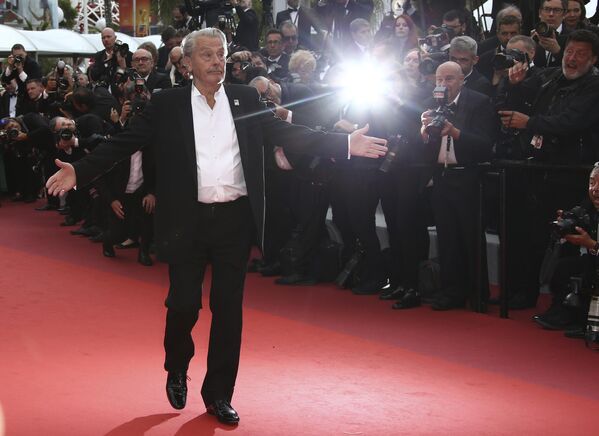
{"x":466,"y":140}
{"x":107,"y":61}
{"x":143,"y":62}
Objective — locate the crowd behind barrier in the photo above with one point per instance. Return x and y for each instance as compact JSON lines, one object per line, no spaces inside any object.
{"x":486,"y":133}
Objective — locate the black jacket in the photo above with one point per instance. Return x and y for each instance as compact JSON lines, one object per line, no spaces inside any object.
{"x":479,"y":83}
{"x":304,"y":23}
{"x":246,"y":34}
{"x":157,"y":81}
{"x":31,"y":68}
{"x":166,"y":126}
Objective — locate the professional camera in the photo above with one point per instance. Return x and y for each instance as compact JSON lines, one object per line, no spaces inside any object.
{"x":434,"y":128}
{"x":8,"y":136}
{"x":121,"y":47}
{"x":394,"y":147}
{"x":576,"y":217}
{"x":139,"y":102}
{"x":269,"y":104}
{"x":503,"y":61}
{"x":543,"y":29}
{"x":197,"y":9}
{"x":64,"y":134}
{"x":18,"y":60}
{"x":343,"y":279}
{"x":436,"y":48}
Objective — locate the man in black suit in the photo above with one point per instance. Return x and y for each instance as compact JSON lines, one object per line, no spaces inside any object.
{"x":21,"y":68}
{"x":108,"y":60}
{"x":246,"y":34}
{"x":463,"y":51}
{"x":464,"y":141}
{"x":550,"y":48}
{"x":144,"y":65}
{"x":302,"y":18}
{"x":508,"y":27}
{"x":277,"y":61}
{"x":335,"y":15}
{"x":9,"y":100}
{"x":210,"y":192}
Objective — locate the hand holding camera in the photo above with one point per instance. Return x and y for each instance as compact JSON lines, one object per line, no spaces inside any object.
{"x":517,"y":73}
{"x":546,"y":37}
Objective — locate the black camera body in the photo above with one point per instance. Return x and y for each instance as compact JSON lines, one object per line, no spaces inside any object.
{"x":575,"y":217}
{"x":64,"y":134}
{"x":395,"y":144}
{"x":543,"y":29}
{"x":434,"y":128}
{"x":7,"y":137}
{"x":139,"y":102}
{"x":503,"y":61}
{"x":121,"y":47}
{"x":19,"y":60}
{"x":436,"y":48}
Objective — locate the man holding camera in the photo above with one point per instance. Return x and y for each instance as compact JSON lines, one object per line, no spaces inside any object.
{"x":246,"y":34}
{"x":106,"y":62}
{"x":143,"y":64}
{"x":549,"y":34}
{"x":458,"y":136}
{"x":210,"y":191}
{"x":560,"y":130}
{"x":21,"y":68}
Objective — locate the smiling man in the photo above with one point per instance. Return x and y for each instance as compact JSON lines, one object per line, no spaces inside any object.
{"x":207,"y":140}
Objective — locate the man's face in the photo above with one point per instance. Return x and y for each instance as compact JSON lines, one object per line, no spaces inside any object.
{"x":450,"y":76}
{"x":51,"y":85}
{"x":455,"y":25}
{"x":257,"y":62}
{"x":82,"y":80}
{"x":64,"y":123}
{"x":552,"y":13}
{"x":293,"y":3}
{"x":34,"y":90}
{"x":362,"y":36}
{"x":19,"y":52}
{"x":507,"y":32}
{"x":519,"y":45}
{"x":573,"y":14}
{"x":274,"y":45}
{"x":289,"y":39}
{"x":208,"y":61}
{"x":238,"y":72}
{"x":108,"y":38}
{"x":594,"y":187}
{"x":11,"y":87}
{"x":578,"y":59}
{"x":142,"y":62}
{"x":465,"y":59}
{"x":177,"y":16}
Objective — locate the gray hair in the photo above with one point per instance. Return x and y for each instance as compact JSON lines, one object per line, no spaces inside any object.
{"x":287,"y":25}
{"x":528,"y":42}
{"x":509,"y":10}
{"x":358,"y":24}
{"x":258,"y":79}
{"x":464,"y":44}
{"x":209,"y":32}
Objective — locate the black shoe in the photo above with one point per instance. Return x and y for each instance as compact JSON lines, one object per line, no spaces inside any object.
{"x":522,"y":301}
{"x":85,"y":231}
{"x":68,"y":221}
{"x":108,"y":250}
{"x":122,"y":246}
{"x":577,"y":332}
{"x":144,"y":258}
{"x":176,"y":389}
{"x":255,"y":265}
{"x":46,"y":207}
{"x":296,"y":280}
{"x":97,"y":238}
{"x":443,"y":302}
{"x":392,"y":293}
{"x":224,"y":412}
{"x":271,"y":270}
{"x":561,"y":319}
{"x":65,"y":210}
{"x":411,"y":298}
{"x":368,"y":288}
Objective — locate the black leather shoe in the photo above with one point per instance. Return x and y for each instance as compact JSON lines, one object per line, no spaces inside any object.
{"x":224,"y":412}
{"x":392,"y":293}
{"x":296,"y":280}
{"x":86,"y":231}
{"x":144,"y":258}
{"x":97,"y":238}
{"x":46,"y":207}
{"x":368,"y":288}
{"x":410,"y":299}
{"x":122,"y":246}
{"x":576,"y":332}
{"x":561,"y":319}
{"x":108,"y":250}
{"x":68,"y":221}
{"x":176,"y":389}
{"x":443,"y":302}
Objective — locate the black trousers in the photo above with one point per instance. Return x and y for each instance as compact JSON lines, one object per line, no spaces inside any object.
{"x":223,"y":242}
{"x":138,"y":224}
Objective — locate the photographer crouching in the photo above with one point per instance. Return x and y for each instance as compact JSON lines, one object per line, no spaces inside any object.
{"x":575,"y":276}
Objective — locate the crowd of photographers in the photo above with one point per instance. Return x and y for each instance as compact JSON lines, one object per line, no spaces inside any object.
{"x":449,"y":101}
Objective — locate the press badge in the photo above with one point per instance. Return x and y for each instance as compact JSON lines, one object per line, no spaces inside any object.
{"x":537,"y":141}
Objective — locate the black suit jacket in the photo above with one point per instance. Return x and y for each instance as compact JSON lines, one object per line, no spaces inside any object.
{"x":555,"y":60}
{"x":158,"y":81}
{"x":30,"y":67}
{"x":5,"y":105}
{"x":305,"y":21}
{"x":166,"y":125}
{"x":479,"y":83}
{"x":333,"y":12}
{"x":246,"y":34}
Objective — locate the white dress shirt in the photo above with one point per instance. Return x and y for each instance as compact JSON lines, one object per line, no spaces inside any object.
{"x":220,"y":174}
{"x":136,"y":175}
{"x":447,"y":156}
{"x":12,"y":106}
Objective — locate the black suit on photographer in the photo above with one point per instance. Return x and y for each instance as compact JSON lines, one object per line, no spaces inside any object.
{"x":115,"y":56}
{"x":559,"y":131}
{"x":456,"y":149}
{"x":21,"y":68}
{"x":549,"y":33}
{"x":247,"y":33}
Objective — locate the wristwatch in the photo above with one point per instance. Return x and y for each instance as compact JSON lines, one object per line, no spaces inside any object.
{"x":595,"y":250}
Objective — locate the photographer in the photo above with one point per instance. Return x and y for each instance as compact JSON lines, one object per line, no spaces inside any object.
{"x":246,"y":34}
{"x":128,"y":188}
{"x":37,"y":100}
{"x":549,"y":33}
{"x":462,"y":50}
{"x":143,"y":64}
{"x":21,"y":68}
{"x":179,"y":73}
{"x":115,"y":56}
{"x":569,"y":306}
{"x":508,"y":26}
{"x":458,"y":136}
{"x":560,"y":130}
{"x":277,"y":61}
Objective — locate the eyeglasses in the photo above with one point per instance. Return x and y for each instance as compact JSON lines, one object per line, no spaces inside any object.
{"x":290,"y":38}
{"x":556,"y":11}
{"x":142,"y":59}
{"x":274,"y":42}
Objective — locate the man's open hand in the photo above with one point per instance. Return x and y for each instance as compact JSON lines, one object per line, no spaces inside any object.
{"x":366,"y":146}
{"x":63,"y":180}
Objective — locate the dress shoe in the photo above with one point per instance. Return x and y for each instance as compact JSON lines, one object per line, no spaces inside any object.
{"x":271,"y":269}
{"x":368,"y":288}
{"x":255,"y":265}
{"x":97,"y":238}
{"x":176,"y":388}
{"x":224,"y":412}
{"x":86,"y":231}
{"x":296,"y":280}
{"x":127,"y":244}
{"x":561,"y":319}
{"x":522,"y":301}
{"x":144,"y":258}
{"x":444,"y":302}
{"x":68,"y":222}
{"x":411,"y":298}
{"x":392,"y":293}
{"x":46,"y":207}
{"x":108,"y":250}
{"x":577,"y":332}
{"x":65,"y":210}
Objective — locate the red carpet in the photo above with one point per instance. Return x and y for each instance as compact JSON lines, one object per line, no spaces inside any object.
{"x":81,"y":354}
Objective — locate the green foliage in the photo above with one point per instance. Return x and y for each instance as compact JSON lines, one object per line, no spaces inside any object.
{"x":70,"y":14}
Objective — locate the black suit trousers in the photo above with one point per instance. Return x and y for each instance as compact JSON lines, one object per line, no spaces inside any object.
{"x":224,"y":243}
